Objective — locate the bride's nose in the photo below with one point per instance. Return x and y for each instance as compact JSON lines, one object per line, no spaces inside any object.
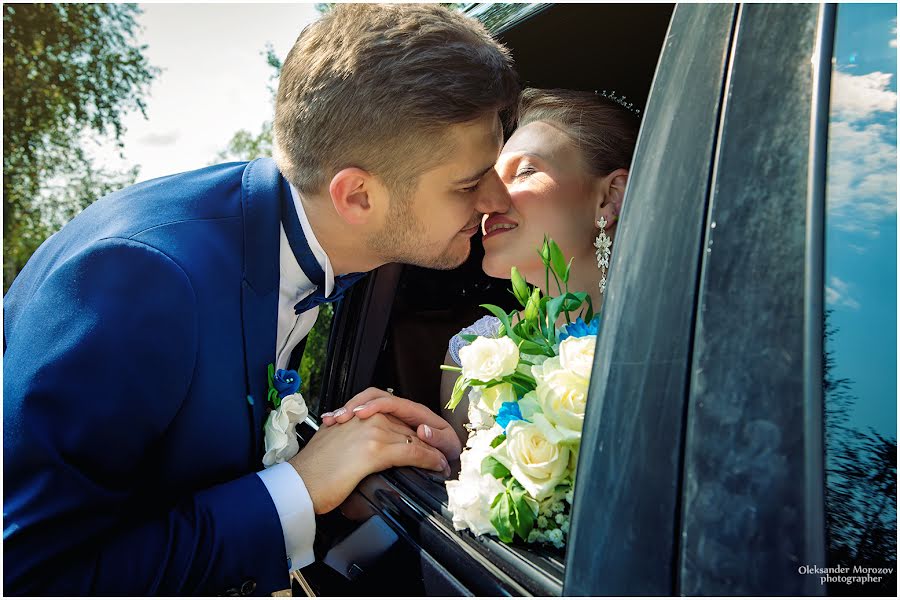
{"x":494,"y":198}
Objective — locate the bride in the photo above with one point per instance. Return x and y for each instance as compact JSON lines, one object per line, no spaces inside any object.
{"x":565,"y":168}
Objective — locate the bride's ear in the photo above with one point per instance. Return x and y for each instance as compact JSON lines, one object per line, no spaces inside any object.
{"x":612,"y":193}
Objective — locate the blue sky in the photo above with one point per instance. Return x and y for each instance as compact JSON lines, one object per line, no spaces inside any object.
{"x":861,"y":238}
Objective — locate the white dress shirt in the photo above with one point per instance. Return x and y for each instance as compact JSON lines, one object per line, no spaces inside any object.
{"x":285,"y":486}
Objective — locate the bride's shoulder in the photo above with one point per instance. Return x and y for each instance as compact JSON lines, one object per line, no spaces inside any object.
{"x":487,"y":326}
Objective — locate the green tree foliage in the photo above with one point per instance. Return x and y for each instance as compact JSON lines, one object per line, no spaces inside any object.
{"x":861,"y":490}
{"x":70,"y":72}
{"x":312,"y":366}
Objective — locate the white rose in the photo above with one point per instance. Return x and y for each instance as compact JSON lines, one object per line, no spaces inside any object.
{"x":478,"y":418}
{"x":493,"y":397}
{"x":534,"y":456}
{"x":562,"y":395}
{"x":469,"y":497}
{"x":577,"y":355}
{"x":487,"y":359}
{"x":280,"y":430}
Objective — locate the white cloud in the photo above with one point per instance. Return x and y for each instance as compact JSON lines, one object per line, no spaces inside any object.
{"x":166,"y":138}
{"x":862,"y":160}
{"x":860,"y":97}
{"x":893,"y":42}
{"x":837,"y":293}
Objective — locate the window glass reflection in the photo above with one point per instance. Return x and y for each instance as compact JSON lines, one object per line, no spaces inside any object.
{"x":861,"y":299}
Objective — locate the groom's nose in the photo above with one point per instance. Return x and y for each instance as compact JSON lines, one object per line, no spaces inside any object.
{"x":493,"y":196}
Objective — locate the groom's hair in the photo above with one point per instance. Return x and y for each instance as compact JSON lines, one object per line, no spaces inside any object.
{"x":376,"y":87}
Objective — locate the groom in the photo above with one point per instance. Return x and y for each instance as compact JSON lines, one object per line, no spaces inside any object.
{"x":136,"y":340}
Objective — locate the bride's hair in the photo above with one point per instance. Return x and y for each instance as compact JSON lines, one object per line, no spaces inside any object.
{"x":604,"y":131}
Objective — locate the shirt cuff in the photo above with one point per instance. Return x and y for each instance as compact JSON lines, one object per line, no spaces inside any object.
{"x":295,"y":509}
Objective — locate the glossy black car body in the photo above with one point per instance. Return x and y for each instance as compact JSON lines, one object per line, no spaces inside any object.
{"x":701,"y":469}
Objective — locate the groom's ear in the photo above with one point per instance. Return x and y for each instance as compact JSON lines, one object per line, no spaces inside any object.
{"x":351,"y":193}
{"x":610,"y":196}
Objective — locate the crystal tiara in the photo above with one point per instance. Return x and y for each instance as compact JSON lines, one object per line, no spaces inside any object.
{"x":620,"y":100}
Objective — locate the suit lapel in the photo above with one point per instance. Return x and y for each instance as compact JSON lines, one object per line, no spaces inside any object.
{"x":261,"y":187}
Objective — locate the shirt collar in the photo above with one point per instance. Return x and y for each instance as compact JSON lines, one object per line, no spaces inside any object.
{"x":290,"y":269}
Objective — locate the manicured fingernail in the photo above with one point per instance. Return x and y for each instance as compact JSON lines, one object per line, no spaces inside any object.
{"x":339,"y":412}
{"x":444,"y":464}
{"x":360,"y":407}
{"x":428,"y":432}
{"x":328,"y":414}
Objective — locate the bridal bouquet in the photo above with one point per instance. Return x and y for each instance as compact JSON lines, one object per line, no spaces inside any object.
{"x":527,"y":392}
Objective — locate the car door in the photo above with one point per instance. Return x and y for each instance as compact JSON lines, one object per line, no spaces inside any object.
{"x":701,"y":469}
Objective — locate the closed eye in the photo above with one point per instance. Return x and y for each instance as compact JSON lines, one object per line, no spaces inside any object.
{"x":471,"y":188}
{"x":524,"y":172}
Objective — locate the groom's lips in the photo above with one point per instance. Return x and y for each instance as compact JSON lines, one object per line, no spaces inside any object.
{"x":497,"y":224}
{"x":470,"y":231}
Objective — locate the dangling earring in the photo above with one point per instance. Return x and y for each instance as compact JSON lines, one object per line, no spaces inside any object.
{"x":603,"y":244}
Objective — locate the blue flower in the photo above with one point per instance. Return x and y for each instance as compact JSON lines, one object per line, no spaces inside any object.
{"x":580,"y":329}
{"x":286,"y":382}
{"x":509,"y":412}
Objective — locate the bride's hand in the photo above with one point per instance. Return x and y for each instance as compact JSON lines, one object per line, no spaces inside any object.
{"x":430,"y":428}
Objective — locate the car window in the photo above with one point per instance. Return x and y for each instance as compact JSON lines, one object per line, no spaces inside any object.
{"x":860,"y":362}
{"x":500,"y":16}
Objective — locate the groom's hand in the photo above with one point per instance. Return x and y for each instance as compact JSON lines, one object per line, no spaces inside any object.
{"x":430,"y":428}
{"x":336,"y":459}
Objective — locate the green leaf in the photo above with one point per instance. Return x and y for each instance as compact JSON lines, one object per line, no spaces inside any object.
{"x":533,"y":348}
{"x":498,"y":440}
{"x":504,"y":319}
{"x":569,"y":301}
{"x":568,"y":268}
{"x":493,"y":467}
{"x":557,"y":261}
{"x":521,"y":515}
{"x":520,"y":287}
{"x":500,"y":518}
{"x":589,"y":314}
{"x":496,"y":499}
{"x":469,"y":337}
{"x":273,"y":398}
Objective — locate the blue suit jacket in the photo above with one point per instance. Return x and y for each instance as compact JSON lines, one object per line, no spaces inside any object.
{"x":136,"y":341}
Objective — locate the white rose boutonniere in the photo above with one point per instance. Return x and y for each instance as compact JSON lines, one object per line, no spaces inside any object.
{"x":487,"y":359}
{"x":281,"y":435}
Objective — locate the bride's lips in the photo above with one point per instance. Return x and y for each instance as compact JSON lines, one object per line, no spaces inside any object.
{"x":497,"y":224}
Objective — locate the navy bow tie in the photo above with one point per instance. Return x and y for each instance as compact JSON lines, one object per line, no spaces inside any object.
{"x":341,"y":285}
{"x":307,"y":260}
